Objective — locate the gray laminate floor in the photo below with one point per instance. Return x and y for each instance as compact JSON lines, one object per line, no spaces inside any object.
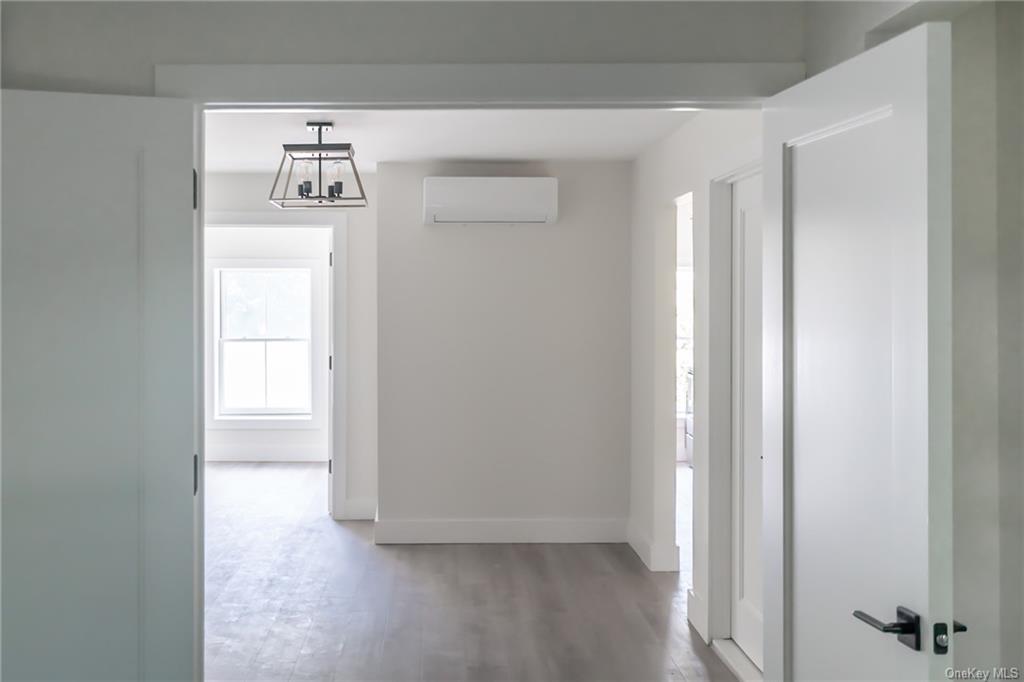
{"x":293,"y":595}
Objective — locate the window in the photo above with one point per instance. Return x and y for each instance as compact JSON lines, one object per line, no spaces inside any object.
{"x":263,"y":346}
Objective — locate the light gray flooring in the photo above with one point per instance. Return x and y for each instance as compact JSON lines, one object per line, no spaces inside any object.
{"x":293,"y":595}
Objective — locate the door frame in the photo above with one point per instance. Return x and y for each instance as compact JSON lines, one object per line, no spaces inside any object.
{"x":453,"y":86}
{"x":718,"y":626}
{"x":337,"y":375}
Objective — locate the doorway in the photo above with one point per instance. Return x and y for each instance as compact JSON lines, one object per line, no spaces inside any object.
{"x":684,"y":386}
{"x":268,"y":346}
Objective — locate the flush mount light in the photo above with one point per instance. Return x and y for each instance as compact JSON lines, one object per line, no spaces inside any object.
{"x":320,"y":175}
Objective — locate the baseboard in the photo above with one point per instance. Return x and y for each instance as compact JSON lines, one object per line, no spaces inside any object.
{"x":264,"y":453}
{"x":436,"y":531}
{"x":358,"y":509}
{"x":663,"y":557}
{"x":736,"y":661}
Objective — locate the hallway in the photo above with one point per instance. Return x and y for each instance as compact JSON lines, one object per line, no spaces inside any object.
{"x":293,"y":595}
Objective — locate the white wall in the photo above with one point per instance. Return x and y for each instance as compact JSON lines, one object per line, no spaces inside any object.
{"x":113,"y":47}
{"x":243,"y":196}
{"x":709,"y":146}
{"x":274,"y":439}
{"x":504,"y":363}
{"x":976,"y":340}
{"x":1011,"y":87}
{"x":834,"y":31}
{"x":988,"y":266}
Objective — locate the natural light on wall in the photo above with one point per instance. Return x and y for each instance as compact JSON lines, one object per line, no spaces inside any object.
{"x":263,"y":349}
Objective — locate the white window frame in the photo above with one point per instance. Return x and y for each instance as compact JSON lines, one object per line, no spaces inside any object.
{"x":220,"y":340}
{"x":216,"y":418}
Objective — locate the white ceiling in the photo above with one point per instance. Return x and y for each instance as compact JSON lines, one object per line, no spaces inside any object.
{"x":251,"y":141}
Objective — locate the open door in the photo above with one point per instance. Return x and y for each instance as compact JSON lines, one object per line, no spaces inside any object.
{"x":99,"y":421}
{"x":858,"y":368}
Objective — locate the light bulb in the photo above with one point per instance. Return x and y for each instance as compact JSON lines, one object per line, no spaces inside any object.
{"x":305,"y":171}
{"x":335,"y":172}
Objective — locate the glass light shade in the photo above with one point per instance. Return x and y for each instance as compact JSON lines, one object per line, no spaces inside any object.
{"x":335,"y":172}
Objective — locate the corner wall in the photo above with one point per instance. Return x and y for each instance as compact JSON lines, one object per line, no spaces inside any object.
{"x":504,"y":363}
{"x":711,"y":145}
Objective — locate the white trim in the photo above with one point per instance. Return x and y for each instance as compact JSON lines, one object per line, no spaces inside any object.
{"x":663,"y":557}
{"x":264,"y":452}
{"x":560,"y":530}
{"x":320,"y":341}
{"x":381,"y":86}
{"x":357,"y":509}
{"x":717,"y":611}
{"x":736,"y":661}
{"x":697,"y":613}
{"x":710,"y":614}
{"x":311,"y":416}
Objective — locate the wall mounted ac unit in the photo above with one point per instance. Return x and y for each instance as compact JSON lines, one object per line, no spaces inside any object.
{"x":489,"y":200}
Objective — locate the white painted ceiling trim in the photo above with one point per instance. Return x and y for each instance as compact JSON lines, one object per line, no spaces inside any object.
{"x":501,"y":86}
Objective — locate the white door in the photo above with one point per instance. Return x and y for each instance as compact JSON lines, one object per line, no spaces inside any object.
{"x":746,"y":622}
{"x":858,"y":369}
{"x":98,"y":381}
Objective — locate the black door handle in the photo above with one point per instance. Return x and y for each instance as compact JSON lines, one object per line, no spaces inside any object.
{"x":906,"y":627}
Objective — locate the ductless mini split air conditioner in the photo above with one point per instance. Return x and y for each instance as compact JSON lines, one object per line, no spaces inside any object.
{"x":489,"y":200}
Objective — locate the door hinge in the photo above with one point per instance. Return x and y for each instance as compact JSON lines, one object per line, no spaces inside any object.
{"x":195,"y":474}
{"x":195,"y":190}
{"x":330,"y":362}
{"x":330,"y":466}
{"x":330,"y":259}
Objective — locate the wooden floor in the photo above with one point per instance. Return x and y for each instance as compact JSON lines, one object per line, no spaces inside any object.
{"x":293,"y":595}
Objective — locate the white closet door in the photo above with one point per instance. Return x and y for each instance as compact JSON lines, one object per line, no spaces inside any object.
{"x":747,"y":567}
{"x":98,"y":403}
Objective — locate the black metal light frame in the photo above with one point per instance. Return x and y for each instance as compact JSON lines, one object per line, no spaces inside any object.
{"x":331,"y":195}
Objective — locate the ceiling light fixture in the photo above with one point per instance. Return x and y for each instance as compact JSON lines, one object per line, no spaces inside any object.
{"x":318,"y":174}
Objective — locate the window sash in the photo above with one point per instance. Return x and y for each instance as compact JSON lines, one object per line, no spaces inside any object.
{"x":223,"y":339}
{"x":220,"y":272}
{"x":224,"y":409}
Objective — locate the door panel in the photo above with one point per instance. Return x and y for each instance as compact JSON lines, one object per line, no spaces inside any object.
{"x":98,"y":414}
{"x":747,"y":621}
{"x":857,"y":445}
